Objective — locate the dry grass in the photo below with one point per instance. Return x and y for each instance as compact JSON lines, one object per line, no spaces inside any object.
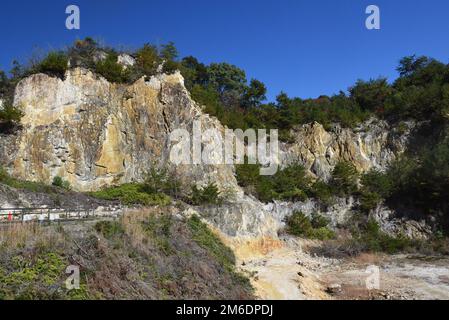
{"x":15,"y":235}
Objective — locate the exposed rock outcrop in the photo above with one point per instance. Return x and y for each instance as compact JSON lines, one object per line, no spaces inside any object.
{"x":94,"y":133}
{"x":374,"y":144}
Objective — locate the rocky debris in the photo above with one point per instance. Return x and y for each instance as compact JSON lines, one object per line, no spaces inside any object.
{"x":333,"y":288}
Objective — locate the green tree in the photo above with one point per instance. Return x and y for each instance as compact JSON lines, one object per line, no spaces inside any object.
{"x":226,"y":77}
{"x":371,"y":95}
{"x":411,"y":64}
{"x":254,"y":94}
{"x":344,"y":179}
{"x":147,"y":60}
{"x":169,"y":52}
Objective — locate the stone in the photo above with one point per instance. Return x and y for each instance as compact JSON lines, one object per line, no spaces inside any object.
{"x":333,"y":288}
{"x":126,"y":60}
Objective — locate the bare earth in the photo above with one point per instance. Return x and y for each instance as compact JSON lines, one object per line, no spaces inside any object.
{"x":287,"y":272}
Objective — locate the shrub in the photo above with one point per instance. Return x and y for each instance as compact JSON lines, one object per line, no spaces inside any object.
{"x":55,"y":64}
{"x":132,"y":194}
{"x":371,"y":238}
{"x":344,"y":179}
{"x":83,"y":52}
{"x":376,"y":186}
{"x":59,"y":182}
{"x":26,"y":185}
{"x":298,"y":224}
{"x":290,"y":183}
{"x":377,"y":182}
{"x":110,"y":69}
{"x":209,"y":194}
{"x":160,"y":180}
{"x":10,"y":117}
{"x":322,"y":192}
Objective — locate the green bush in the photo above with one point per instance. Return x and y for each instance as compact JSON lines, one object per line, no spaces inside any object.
{"x":55,"y":64}
{"x":132,"y":194}
{"x":160,"y":180}
{"x":147,"y":60}
{"x":344,"y":179}
{"x":110,"y":69}
{"x":5,"y":178}
{"x":323,"y":192}
{"x":298,"y":224}
{"x":376,"y":186}
{"x":290,"y":183}
{"x":209,"y":194}
{"x":158,"y":227}
{"x":59,"y":182}
{"x":372,"y":239}
{"x":10,"y":117}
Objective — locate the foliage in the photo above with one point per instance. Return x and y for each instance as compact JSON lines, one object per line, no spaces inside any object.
{"x":160,"y":180}
{"x":147,"y":60}
{"x":111,"y":69}
{"x":55,"y":64}
{"x":5,"y":178}
{"x":209,"y":194}
{"x":372,"y":239}
{"x":371,"y":95}
{"x":323,"y":192}
{"x":59,"y":182}
{"x":25,"y":279}
{"x":132,"y":194}
{"x":344,"y":178}
{"x":376,"y":186}
{"x":83,"y":53}
{"x":206,"y":239}
{"x":290,"y":183}
{"x":298,"y":224}
{"x":10,"y":117}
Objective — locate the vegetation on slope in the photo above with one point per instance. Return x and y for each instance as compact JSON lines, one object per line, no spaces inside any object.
{"x":144,"y":255}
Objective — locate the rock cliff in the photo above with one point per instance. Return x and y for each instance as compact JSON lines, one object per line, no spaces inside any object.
{"x":94,"y":133}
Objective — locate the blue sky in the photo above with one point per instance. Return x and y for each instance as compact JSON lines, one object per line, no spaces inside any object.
{"x":303,"y":47}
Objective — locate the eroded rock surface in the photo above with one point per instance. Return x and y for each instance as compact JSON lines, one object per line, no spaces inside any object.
{"x":94,"y":133}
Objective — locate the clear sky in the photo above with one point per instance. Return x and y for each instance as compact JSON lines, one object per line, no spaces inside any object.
{"x":303,"y":47}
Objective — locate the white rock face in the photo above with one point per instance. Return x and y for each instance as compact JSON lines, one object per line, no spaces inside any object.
{"x":94,"y":133}
{"x":126,"y":60}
